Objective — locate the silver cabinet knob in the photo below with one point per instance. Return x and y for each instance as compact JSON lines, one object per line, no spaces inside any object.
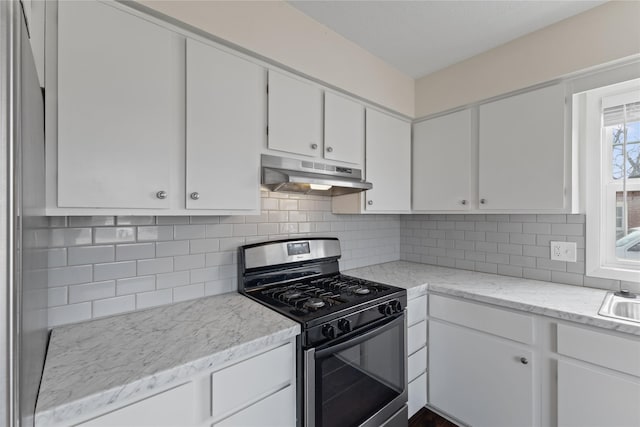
{"x":524,"y":360}
{"x":314,"y":146}
{"x":370,"y":202}
{"x":483,"y":201}
{"x":329,"y":149}
{"x":464,"y":202}
{"x":195,"y":195}
{"x":161,"y":194}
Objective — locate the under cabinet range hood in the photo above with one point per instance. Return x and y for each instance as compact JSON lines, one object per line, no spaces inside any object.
{"x":309,"y":177}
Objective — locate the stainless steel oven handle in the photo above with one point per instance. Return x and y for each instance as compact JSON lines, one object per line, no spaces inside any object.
{"x":361,"y":337}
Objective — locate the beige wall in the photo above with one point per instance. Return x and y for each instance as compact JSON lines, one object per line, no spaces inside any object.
{"x":280,"y":32}
{"x":600,"y":35}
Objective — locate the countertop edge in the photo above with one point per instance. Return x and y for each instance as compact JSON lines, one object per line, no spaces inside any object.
{"x":161,"y":381}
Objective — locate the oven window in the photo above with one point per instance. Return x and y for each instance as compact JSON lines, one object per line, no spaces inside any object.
{"x":353,"y":383}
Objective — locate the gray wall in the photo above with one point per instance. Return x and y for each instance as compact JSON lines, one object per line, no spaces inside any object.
{"x":98,"y":266}
{"x":510,"y":245}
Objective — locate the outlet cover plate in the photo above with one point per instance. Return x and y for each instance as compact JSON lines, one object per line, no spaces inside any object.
{"x":563,"y":251}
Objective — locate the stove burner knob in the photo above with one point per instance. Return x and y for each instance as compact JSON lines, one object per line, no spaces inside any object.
{"x":396,"y":305}
{"x":386,"y":309}
{"x":344,"y":325}
{"x":329,"y":331}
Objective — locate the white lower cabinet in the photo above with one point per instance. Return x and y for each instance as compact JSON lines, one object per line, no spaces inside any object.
{"x":480,"y":379}
{"x":600,"y":384}
{"x":259,"y":390}
{"x":490,"y":366}
{"x":417,"y":353}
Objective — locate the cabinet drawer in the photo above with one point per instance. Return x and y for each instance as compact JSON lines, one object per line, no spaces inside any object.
{"x":417,"y":364}
{"x":614,"y":352}
{"x":417,"y":394}
{"x":417,"y":337}
{"x":514,"y":326}
{"x":277,"y":410}
{"x":247,"y":381}
{"x":416,"y":310}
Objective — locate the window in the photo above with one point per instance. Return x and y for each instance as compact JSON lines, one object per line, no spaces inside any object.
{"x":608,"y":125}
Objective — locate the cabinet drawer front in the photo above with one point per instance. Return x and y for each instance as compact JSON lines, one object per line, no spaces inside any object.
{"x":417,"y":394}
{"x":514,"y":326}
{"x":248,"y":381}
{"x":277,"y":410}
{"x":417,"y":364}
{"x":614,"y":352}
{"x":416,"y":310}
{"x":417,"y":337}
{"x":169,"y":408}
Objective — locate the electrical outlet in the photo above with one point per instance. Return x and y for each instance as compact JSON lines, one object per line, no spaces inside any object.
{"x":563,"y":251}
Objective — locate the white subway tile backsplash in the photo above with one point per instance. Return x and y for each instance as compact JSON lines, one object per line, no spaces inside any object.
{"x":208,"y":274}
{"x":70,"y":313}
{"x":178,"y":247}
{"x":114,"y":235}
{"x":114,"y":270}
{"x":204,"y":245}
{"x":133,"y":251}
{"x":184,"y":293}
{"x":90,"y":254}
{"x":181,"y":232}
{"x":62,"y":276}
{"x":153,"y":299}
{"x":109,"y":306}
{"x":92,"y":291}
{"x":90,"y":221}
{"x":66,"y":237}
{"x":134,"y":285}
{"x":188,"y":262}
{"x":57,"y":296}
{"x":170,"y":280}
{"x":154,"y":266}
{"x":135,"y":220}
{"x":155,"y":233}
{"x":219,"y":230}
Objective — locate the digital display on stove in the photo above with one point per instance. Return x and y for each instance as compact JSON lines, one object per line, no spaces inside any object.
{"x":298,"y":248}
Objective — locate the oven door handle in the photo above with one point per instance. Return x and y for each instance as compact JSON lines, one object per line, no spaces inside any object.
{"x":358,"y":337}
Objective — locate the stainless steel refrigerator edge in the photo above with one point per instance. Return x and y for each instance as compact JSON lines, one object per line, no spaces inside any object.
{"x":23,"y":298}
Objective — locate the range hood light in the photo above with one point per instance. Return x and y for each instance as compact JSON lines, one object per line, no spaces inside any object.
{"x":321,"y":187}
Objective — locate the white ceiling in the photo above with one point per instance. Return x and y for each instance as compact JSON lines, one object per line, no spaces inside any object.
{"x":420,"y":37}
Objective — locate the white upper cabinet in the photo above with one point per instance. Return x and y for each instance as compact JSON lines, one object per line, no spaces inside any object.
{"x":226,"y":118}
{"x":442,"y":152}
{"x":343,"y":129}
{"x":388,"y":163}
{"x":522,"y":152}
{"x":120,"y":108}
{"x":295,"y":115}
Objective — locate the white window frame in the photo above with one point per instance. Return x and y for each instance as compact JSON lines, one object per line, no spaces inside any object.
{"x":601,"y":219}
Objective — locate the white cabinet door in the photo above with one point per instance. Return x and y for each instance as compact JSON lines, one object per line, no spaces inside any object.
{"x":479,"y":379}
{"x":225,"y":127}
{"x":388,"y":163}
{"x":343,"y":129}
{"x":591,"y":397}
{"x":277,"y":410}
{"x":442,"y":163}
{"x":174,"y":407}
{"x":120,"y":108}
{"x":522,"y":151}
{"x":295,"y":115}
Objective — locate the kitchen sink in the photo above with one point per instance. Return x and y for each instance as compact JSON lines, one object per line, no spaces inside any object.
{"x":623,"y":305}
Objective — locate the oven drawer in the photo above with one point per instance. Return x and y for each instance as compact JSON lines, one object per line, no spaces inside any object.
{"x":416,"y":310}
{"x":496,"y":321}
{"x":416,"y":337}
{"x":246,"y":382}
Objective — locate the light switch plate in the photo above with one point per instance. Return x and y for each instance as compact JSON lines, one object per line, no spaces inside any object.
{"x":563,"y":251}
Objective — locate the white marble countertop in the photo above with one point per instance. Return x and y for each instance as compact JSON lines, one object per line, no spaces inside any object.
{"x":96,"y":364}
{"x":574,"y":303}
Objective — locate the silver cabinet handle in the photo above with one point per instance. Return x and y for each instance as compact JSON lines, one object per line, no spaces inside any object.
{"x":483,"y":201}
{"x":370,"y":202}
{"x":329,"y":149}
{"x":314,"y":146}
{"x":524,"y":360}
{"x":161,"y":194}
{"x":464,"y":202}
{"x":195,"y":195}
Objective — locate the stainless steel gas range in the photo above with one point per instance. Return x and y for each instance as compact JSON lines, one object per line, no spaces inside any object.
{"x":352,"y":350}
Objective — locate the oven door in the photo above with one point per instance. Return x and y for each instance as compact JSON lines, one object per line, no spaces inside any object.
{"x":360,"y":380}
